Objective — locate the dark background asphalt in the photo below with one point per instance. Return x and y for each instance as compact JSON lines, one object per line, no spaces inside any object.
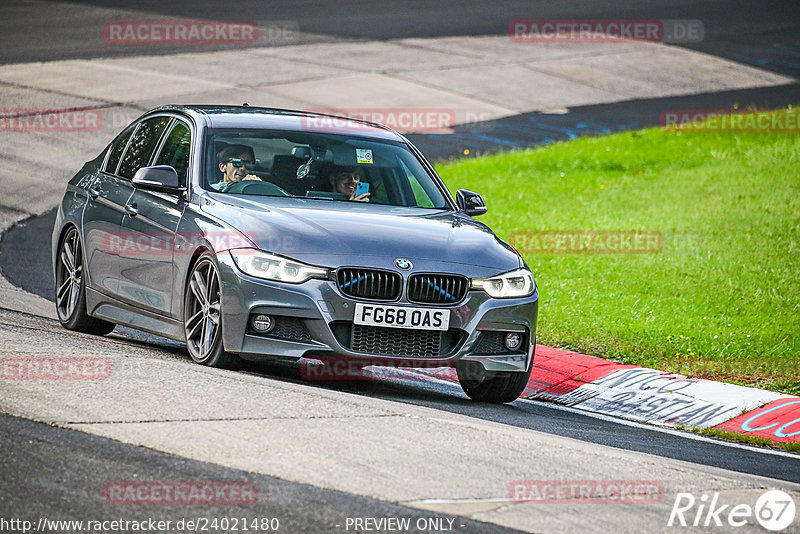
{"x":764,"y":33}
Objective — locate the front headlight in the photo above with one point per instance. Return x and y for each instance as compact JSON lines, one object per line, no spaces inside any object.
{"x":271,"y":267}
{"x":517,"y":283}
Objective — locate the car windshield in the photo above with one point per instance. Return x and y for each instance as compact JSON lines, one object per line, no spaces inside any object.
{"x":321,"y":166}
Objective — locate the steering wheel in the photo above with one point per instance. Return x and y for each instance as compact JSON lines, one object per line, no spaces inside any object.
{"x":253,"y":187}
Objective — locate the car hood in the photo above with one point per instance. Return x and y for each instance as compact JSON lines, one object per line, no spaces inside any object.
{"x":326,"y":232}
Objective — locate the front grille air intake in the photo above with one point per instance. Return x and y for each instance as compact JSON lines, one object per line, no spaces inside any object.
{"x":437,"y":288}
{"x":397,"y":341}
{"x":369,"y":283}
{"x":490,"y":342}
{"x":290,"y":329}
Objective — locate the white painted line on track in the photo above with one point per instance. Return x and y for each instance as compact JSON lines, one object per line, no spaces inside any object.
{"x":463,"y":501}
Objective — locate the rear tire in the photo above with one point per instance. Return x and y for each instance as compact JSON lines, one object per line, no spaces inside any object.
{"x":491,"y":386}
{"x":202,"y":316}
{"x":70,"y":288}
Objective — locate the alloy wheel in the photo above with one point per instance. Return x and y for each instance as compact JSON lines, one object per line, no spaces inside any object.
{"x":202,"y":310}
{"x":69,"y":275}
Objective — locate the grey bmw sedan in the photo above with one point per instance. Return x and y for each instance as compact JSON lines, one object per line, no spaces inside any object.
{"x":272,"y":234}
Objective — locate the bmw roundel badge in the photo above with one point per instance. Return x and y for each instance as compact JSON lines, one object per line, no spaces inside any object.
{"x":403,"y":264}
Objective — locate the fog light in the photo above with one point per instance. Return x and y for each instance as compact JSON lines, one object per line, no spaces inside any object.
{"x":513,"y":340}
{"x":262,"y":323}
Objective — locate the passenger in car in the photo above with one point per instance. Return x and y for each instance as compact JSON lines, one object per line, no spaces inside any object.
{"x":345,"y":180}
{"x":234,"y":161}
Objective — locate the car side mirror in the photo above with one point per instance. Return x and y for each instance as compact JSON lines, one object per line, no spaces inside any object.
{"x":162,"y":178}
{"x":470,"y":203}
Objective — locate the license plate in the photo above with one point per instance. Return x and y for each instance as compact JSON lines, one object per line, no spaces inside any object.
{"x":402,"y":317}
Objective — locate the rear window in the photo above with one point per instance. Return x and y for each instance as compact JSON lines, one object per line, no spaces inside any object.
{"x":117,"y":149}
{"x":141,"y":147}
{"x":175,"y":151}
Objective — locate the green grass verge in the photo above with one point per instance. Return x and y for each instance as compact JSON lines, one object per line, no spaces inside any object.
{"x":791,"y":446}
{"x":720,"y":300}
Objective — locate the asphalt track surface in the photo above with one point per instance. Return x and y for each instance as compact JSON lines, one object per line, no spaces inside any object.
{"x":69,"y":464}
{"x":24,"y":239}
{"x":72,"y":469}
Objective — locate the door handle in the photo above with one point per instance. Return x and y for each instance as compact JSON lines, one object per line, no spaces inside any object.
{"x":94,"y":192}
{"x":131,"y":209}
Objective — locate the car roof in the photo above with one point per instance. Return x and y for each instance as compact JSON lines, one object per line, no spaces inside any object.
{"x":282,"y":119}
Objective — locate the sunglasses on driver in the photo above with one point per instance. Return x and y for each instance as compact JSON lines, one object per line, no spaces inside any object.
{"x":238,"y":162}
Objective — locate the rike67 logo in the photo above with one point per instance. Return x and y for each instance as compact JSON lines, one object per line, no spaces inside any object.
{"x":774,"y":510}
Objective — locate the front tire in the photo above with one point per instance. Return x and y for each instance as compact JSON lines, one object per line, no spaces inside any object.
{"x":202,"y":313}
{"x":496,"y":387}
{"x":70,"y":288}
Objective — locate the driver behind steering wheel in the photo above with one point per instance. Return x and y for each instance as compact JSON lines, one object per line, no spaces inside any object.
{"x":234,"y":161}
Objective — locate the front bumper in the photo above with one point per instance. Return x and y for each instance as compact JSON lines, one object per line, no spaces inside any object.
{"x":324,"y":317}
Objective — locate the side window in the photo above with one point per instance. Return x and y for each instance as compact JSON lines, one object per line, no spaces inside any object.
{"x":116,"y":151}
{"x":175,"y":151}
{"x":142,"y":145}
{"x":421,"y":196}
